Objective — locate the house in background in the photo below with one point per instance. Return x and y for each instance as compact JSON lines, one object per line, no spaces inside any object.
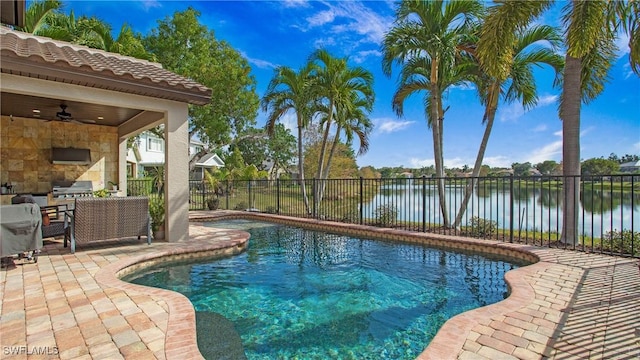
{"x":148,"y":153}
{"x":630,"y":167}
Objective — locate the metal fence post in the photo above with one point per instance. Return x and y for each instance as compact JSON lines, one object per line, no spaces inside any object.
{"x":313,"y":208}
{"x":249,"y":190}
{"x":204,"y":191}
{"x":226,"y":193}
{"x":511,"y":219}
{"x":424,"y":203}
{"x":361,"y":200}
{"x":278,"y":196}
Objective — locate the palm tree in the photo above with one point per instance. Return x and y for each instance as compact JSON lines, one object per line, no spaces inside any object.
{"x":519,"y":85}
{"x":39,"y":19}
{"x":427,"y":40}
{"x":351,"y":119}
{"x":287,"y":91}
{"x":590,"y":30}
{"x":336,"y":83}
{"x":44,"y":18}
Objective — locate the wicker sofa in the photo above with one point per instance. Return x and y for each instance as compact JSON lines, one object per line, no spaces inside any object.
{"x":111,"y":218}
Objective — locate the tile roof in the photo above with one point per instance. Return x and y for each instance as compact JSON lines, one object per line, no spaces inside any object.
{"x":29,"y":55}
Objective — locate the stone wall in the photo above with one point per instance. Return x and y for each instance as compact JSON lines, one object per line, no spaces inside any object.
{"x":25,"y":153}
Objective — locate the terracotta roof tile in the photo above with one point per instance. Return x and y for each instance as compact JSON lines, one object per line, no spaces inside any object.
{"x":36,"y":49}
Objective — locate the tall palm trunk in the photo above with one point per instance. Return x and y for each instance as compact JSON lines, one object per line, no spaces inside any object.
{"x":436,"y":131}
{"x":325,"y":175}
{"x":570,"y":116}
{"x":321,"y":159}
{"x":301,"y":170}
{"x":492,"y":106}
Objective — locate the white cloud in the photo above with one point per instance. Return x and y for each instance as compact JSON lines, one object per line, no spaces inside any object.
{"x":547,"y":152}
{"x":356,"y":18}
{"x":547,"y":100}
{"x":289,"y":120}
{"x":418,"y":163}
{"x":295,"y":3}
{"x":540,"y":128}
{"x":328,"y":41}
{"x":622,"y":43}
{"x":149,"y":4}
{"x":263,"y":64}
{"x":511,"y":112}
{"x":627,"y":71}
{"x":464,"y":86}
{"x":321,"y":18}
{"x":515,"y":110}
{"x":635,"y":147}
{"x":361,"y":56}
{"x":497,"y":161}
{"x":389,"y":125}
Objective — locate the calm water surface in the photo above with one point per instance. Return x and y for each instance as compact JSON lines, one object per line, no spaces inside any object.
{"x":303,"y":294}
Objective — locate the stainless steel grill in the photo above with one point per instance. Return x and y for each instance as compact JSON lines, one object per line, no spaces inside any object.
{"x":72,"y":189}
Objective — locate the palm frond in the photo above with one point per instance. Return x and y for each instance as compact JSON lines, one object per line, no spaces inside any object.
{"x":498,"y":34}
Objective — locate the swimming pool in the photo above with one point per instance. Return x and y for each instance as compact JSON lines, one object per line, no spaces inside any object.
{"x":306,"y":294}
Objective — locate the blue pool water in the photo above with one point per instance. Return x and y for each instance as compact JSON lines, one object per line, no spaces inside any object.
{"x":303,"y":294}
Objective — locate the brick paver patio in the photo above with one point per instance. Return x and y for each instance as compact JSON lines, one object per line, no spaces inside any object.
{"x":569,"y":305}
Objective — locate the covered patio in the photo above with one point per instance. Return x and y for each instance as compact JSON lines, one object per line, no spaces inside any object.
{"x":60,"y":95}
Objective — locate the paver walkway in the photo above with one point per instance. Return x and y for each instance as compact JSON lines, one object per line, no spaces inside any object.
{"x":570,"y":305}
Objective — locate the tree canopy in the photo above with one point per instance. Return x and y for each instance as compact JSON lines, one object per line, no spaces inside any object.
{"x":599,"y":167}
{"x":185,"y":46}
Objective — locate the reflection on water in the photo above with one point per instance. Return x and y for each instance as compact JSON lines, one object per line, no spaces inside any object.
{"x":536,"y":208}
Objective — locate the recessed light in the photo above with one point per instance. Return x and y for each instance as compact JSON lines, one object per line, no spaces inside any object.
{"x":36,"y":111}
{"x":100,"y":118}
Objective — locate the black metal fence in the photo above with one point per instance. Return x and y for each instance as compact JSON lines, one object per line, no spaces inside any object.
{"x":513,"y":209}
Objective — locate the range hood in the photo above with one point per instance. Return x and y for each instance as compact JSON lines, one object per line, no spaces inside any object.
{"x":70,"y":156}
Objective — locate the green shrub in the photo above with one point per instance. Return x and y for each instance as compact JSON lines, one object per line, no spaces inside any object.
{"x":351,"y":217}
{"x":101,"y":193}
{"x":385,"y":215}
{"x":156,"y":211}
{"x":241,"y":206}
{"x":621,"y":241}
{"x":483,"y":228}
{"x":271,"y":210}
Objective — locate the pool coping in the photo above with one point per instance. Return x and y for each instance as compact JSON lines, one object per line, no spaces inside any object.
{"x":461,"y":335}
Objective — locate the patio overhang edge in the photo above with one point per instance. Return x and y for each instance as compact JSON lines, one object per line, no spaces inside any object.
{"x":85,"y":76}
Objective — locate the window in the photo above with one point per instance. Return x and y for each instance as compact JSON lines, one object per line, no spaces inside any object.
{"x":155,"y":144}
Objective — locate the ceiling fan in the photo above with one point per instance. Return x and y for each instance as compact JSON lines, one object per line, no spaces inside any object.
{"x":64,"y":116}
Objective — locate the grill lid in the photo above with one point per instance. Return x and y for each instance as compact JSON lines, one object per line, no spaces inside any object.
{"x":72,"y":187}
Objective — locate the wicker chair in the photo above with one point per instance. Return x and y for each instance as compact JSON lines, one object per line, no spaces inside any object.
{"x":111,"y":218}
{"x":57,"y":221}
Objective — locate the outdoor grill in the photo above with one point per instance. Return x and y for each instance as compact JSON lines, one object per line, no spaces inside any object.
{"x":71,"y":189}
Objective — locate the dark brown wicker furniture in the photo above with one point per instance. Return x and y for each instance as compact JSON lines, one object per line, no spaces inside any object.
{"x":110,"y":218}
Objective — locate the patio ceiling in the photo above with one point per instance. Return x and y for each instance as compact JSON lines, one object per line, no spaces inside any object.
{"x":28,"y":106}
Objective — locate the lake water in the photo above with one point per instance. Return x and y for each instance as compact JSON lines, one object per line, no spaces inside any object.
{"x":533,"y":209}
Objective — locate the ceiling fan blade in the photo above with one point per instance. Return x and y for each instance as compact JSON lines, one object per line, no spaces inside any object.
{"x":87,"y":121}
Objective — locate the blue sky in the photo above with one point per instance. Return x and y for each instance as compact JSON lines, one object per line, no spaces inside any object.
{"x":286,"y":32}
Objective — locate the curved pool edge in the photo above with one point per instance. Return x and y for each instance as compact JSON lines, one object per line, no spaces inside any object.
{"x":180,"y":336}
{"x":451,"y":337}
